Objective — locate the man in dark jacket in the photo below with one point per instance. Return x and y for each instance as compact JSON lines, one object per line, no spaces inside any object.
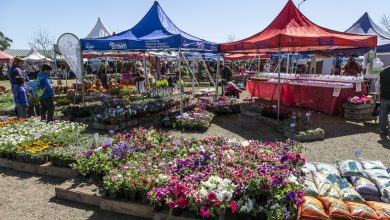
{"x":383,"y":87}
{"x":47,"y":98}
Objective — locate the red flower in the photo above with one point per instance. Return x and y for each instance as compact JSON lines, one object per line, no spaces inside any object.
{"x":172,"y":205}
{"x":151,"y":184}
{"x":233,"y":206}
{"x":182,"y":203}
{"x":204,"y":212}
{"x":266,"y":187}
{"x":216,"y":203}
{"x":105,"y":147}
{"x":211,"y":196}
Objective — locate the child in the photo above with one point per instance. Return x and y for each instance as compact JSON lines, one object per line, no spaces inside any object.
{"x":47,"y":98}
{"x":20,"y":96}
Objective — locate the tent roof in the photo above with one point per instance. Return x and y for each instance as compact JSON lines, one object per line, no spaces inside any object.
{"x":155,"y":31}
{"x":366,"y":26}
{"x":293,"y":32}
{"x":5,"y":57}
{"x":99,"y":30}
{"x":34,"y":56}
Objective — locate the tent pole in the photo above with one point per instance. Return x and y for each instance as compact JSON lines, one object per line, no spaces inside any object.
{"x":181,"y":84}
{"x":258,"y":63}
{"x":288,"y":63}
{"x":146,"y":71}
{"x":280,"y":63}
{"x":217,"y":76}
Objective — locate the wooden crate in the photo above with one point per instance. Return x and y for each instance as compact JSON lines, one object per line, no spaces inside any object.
{"x":357,"y":112}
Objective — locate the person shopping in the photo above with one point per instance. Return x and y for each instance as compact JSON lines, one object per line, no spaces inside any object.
{"x":17,"y":70}
{"x":20,"y":96}
{"x":47,"y":98}
{"x":382,"y":86}
{"x":139,"y":77}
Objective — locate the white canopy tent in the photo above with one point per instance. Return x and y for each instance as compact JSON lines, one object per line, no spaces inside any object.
{"x":34,"y":56}
{"x":99,"y":30}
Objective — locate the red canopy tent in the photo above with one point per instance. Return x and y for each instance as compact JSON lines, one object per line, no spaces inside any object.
{"x":291,"y":31}
{"x":5,"y":57}
{"x":241,"y":56}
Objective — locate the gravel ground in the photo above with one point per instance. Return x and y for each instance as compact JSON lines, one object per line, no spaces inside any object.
{"x":26,"y":196}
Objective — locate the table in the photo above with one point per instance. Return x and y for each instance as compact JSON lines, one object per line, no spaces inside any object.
{"x":315,"y":98}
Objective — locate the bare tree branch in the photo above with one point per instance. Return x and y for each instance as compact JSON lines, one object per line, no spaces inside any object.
{"x":42,"y":41}
{"x":230,"y":38}
{"x":385,"y":22}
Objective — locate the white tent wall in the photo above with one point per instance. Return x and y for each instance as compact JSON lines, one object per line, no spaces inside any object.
{"x":385,"y":58}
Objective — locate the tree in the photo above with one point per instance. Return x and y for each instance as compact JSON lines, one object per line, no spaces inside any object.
{"x":230,"y":38}
{"x":5,"y":42}
{"x":385,"y":22}
{"x":42,"y":41}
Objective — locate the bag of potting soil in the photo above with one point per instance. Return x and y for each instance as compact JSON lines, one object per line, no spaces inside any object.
{"x":360,"y":211}
{"x":386,"y":195}
{"x":381,"y":209}
{"x":310,"y":187}
{"x":324,"y":186}
{"x":381,"y":173}
{"x":335,"y":208}
{"x":370,"y":164}
{"x":381,"y":183}
{"x":364,"y":186}
{"x":350,"y":168}
{"x":347,"y":192}
{"x":327,"y":169}
{"x":369,"y":197}
{"x":308,"y":168}
{"x":312,"y":208}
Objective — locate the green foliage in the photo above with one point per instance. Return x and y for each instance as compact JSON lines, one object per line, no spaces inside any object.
{"x":162,"y":83}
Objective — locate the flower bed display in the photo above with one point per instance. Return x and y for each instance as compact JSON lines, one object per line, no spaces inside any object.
{"x":251,"y":106}
{"x":9,"y":121}
{"x":6,"y":101}
{"x":221,"y":105}
{"x":210,"y":177}
{"x":272,"y":112}
{"x":195,"y":120}
{"x":31,"y":141}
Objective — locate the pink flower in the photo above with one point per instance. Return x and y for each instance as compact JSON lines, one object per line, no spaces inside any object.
{"x":204,"y":212}
{"x":182,"y":203}
{"x":233,"y":206}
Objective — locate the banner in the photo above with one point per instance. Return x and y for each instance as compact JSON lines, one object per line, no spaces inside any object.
{"x":69,"y":46}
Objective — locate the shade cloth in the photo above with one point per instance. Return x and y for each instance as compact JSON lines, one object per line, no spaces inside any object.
{"x":154,"y":32}
{"x":5,"y":57}
{"x":293,"y":32}
{"x":315,"y":98}
{"x":366,"y":26}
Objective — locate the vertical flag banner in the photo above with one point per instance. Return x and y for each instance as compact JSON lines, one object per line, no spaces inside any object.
{"x":69,"y":46}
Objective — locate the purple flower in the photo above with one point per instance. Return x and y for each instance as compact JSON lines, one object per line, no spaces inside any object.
{"x":290,"y":196}
{"x":112,"y":132}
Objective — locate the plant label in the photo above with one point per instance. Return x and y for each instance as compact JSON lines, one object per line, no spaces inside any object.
{"x":336,"y":92}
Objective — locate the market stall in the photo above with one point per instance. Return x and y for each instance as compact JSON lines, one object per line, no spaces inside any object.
{"x":292,"y":32}
{"x":317,"y":92}
{"x":5,"y":57}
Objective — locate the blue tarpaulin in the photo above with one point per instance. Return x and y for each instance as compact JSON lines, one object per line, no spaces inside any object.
{"x":154,"y":32}
{"x":366,"y":26}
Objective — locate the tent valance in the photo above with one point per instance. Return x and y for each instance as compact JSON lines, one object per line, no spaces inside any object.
{"x":293,"y":32}
{"x":154,"y":32}
{"x":245,"y":56}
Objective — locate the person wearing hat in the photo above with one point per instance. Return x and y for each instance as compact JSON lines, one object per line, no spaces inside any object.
{"x":139,"y":77}
{"x":17,"y":70}
{"x":47,"y":98}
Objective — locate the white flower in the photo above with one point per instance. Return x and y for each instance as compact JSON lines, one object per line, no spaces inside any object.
{"x":248,"y":206}
{"x":245,"y":143}
{"x":203,"y":192}
{"x":227,"y":195}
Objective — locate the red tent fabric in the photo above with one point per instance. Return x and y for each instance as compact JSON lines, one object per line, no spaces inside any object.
{"x":240,"y":56}
{"x":5,"y":57}
{"x":293,"y":32}
{"x":116,"y":56}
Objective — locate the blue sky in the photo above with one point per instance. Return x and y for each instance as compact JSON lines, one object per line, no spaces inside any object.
{"x":209,"y":19}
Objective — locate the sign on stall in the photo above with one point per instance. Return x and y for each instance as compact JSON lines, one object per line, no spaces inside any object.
{"x":336,"y":92}
{"x":358,"y":86}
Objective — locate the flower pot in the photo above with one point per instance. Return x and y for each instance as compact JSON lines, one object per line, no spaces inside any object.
{"x":177,"y":211}
{"x":113,"y":195}
{"x":3,"y":155}
{"x":158,"y":208}
{"x":131,"y":195}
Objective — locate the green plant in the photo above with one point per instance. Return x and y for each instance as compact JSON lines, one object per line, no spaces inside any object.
{"x":162,"y":83}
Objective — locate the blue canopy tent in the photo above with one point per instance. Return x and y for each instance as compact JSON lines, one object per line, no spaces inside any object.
{"x":154,"y":32}
{"x":366,"y":26}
